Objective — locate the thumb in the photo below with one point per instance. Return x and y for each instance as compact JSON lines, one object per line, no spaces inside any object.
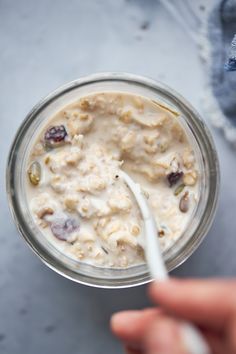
{"x":163,"y":336}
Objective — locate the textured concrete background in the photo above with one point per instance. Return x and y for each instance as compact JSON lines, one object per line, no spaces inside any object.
{"x":44,"y":44}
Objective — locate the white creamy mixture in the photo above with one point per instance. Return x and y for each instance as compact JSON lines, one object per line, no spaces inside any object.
{"x":74,"y":191}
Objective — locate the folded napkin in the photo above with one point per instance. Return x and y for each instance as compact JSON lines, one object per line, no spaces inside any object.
{"x":221,"y":105}
{"x":230,"y":65}
{"x":211,"y":25}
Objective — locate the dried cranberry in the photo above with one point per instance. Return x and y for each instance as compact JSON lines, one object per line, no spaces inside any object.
{"x":174,"y":177}
{"x":62,"y":228}
{"x":55,"y":135}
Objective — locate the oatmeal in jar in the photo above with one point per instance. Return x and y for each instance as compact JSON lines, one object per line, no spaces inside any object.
{"x":75,"y":193}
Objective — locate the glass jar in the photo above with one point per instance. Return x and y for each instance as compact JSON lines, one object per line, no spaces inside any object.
{"x":201,"y":141}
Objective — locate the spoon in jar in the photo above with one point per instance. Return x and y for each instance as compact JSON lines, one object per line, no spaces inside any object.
{"x":192,"y":337}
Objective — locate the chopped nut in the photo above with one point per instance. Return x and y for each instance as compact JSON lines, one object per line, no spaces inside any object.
{"x":161,"y":164}
{"x":126,"y":117}
{"x":139,"y":103}
{"x":71,"y":202}
{"x":149,"y":139}
{"x":79,"y":126}
{"x":81,"y":255}
{"x":78,"y":140}
{"x":98,"y":184}
{"x":75,"y":114}
{"x":38,"y":149}
{"x":43,"y":223}
{"x":86,"y":237}
{"x":57,"y":183}
{"x":113,"y":227}
{"x":84,"y":104}
{"x":174,"y":164}
{"x":153,"y":174}
{"x":184,"y":203}
{"x":45,"y":211}
{"x":83,"y":116}
{"x":120,"y":203}
{"x":140,"y":251}
{"x":151,"y":121}
{"x":135,"y":230}
{"x":47,"y":160}
{"x":74,"y":157}
{"x":103,"y":222}
{"x":161,"y":233}
{"x":150,"y":149}
{"x":122,"y":238}
{"x":188,"y":159}
{"x":178,"y":132}
{"x":163,"y":146}
{"x":190,"y":178}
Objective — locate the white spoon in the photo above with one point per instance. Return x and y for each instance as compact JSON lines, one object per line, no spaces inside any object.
{"x":192,"y":337}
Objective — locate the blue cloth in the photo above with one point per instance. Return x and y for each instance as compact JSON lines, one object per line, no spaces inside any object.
{"x":221,"y":30}
{"x":230,"y":65}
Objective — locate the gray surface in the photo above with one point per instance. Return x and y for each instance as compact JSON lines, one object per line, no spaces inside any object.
{"x":44,"y":44}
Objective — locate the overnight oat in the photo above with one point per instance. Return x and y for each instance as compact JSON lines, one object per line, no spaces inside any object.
{"x":75,"y":193}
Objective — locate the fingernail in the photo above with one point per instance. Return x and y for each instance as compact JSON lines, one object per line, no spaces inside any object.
{"x":124,"y":318}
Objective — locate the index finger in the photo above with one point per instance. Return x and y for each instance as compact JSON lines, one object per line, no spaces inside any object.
{"x":210,"y":303}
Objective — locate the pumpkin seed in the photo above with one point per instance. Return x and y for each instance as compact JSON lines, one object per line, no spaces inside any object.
{"x":34,"y":173}
{"x":179,"y":189}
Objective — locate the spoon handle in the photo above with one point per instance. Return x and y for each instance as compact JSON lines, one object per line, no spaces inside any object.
{"x":153,"y":254}
{"x":191,"y":336}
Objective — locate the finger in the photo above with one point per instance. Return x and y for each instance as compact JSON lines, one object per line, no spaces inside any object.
{"x":216,"y":342}
{"x":206,"y":302}
{"x":130,"y":350}
{"x":130,"y":326}
{"x":164,"y":337}
{"x":231,"y":335}
{"x":222,"y":343}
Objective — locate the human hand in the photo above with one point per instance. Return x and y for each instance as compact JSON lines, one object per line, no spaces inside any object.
{"x":208,"y":304}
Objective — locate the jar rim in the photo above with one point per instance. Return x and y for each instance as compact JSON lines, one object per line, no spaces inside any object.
{"x":202,"y":134}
